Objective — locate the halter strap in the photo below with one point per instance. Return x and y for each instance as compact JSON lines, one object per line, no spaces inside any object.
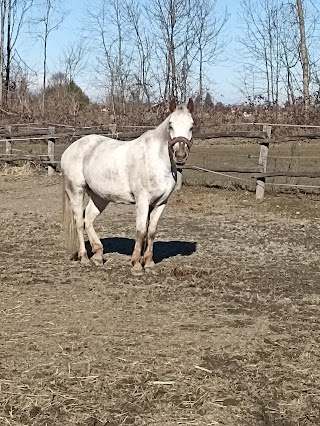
{"x":173,"y":141}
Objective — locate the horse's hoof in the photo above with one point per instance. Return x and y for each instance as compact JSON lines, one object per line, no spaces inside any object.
{"x":149,"y":268}
{"x":149,"y":265}
{"x":84,"y":261}
{"x":137,"y":270}
{"x":97,"y":261}
{"x":74,"y":256}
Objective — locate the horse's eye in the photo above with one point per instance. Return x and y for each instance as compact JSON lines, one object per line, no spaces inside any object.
{"x":170,"y":126}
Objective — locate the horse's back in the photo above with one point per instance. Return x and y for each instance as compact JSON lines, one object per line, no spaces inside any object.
{"x":75,"y":157}
{"x":101,"y":165}
{"x":79,"y":149}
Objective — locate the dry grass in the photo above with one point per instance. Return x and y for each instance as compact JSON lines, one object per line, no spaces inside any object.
{"x":25,"y":169}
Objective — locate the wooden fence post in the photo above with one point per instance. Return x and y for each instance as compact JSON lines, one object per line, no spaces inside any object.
{"x":263,"y":159}
{"x":8,"y":145}
{"x":51,"y":142}
{"x":113,"y":129}
{"x":179,"y":180}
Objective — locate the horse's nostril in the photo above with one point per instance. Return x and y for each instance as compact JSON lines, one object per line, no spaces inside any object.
{"x":181,"y":159}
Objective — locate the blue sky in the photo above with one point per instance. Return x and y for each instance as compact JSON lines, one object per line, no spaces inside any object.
{"x":222,"y":75}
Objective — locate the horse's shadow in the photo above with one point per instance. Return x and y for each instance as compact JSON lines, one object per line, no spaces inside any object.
{"x":162,"y":249}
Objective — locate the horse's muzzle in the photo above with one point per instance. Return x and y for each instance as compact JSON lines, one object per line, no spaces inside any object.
{"x":180,"y":148}
{"x":180,"y":160}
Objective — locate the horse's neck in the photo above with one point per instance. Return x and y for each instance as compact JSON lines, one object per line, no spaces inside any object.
{"x":161,"y":137}
{"x":161,"y":132}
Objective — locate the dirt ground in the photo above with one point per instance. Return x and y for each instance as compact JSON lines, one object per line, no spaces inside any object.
{"x":225,"y":333}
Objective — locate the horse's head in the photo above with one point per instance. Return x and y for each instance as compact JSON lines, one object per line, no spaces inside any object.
{"x":180,"y":131}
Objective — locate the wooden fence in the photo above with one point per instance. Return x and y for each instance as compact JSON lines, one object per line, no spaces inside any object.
{"x":10,"y":133}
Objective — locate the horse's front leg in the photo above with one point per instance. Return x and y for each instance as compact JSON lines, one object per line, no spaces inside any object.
{"x":153,"y":223}
{"x":142,"y":216}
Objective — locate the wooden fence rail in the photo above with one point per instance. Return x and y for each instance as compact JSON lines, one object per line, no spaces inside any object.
{"x":260,"y":173}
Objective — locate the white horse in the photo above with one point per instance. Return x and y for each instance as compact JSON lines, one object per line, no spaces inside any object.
{"x":141,"y":172}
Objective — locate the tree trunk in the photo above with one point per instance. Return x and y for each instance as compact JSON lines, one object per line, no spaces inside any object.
{"x":201,"y":76}
{"x":44,"y":70}
{"x":304,"y":55}
{"x":3,"y":16}
{"x":9,"y":50}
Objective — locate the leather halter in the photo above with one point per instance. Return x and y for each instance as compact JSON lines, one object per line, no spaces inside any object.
{"x":186,"y":141}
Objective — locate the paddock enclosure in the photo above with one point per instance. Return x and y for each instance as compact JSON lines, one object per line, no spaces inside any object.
{"x":257,"y":160}
{"x":225,"y":333}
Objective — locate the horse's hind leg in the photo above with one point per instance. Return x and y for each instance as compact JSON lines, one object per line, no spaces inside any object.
{"x":95,"y":206}
{"x":75,"y":196}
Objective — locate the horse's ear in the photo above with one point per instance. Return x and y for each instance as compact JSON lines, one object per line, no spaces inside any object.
{"x":190,"y":105}
{"x":172,"y":105}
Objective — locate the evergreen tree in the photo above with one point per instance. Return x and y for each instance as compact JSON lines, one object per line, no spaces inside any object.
{"x":208,"y":100}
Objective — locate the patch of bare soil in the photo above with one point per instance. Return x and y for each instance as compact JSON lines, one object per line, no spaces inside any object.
{"x":225,"y":333}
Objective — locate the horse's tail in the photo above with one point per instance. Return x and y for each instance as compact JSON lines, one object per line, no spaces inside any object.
{"x":69,"y":225}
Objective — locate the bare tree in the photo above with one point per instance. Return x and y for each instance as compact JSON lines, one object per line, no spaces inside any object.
{"x":275,"y":42}
{"x":143,"y":45}
{"x":17,"y":11}
{"x":110,"y":32}
{"x":187,"y":35}
{"x":304,"y":55}
{"x":50,"y":17}
{"x":3,"y":10}
{"x":261,"y":44}
{"x":154,"y":48}
{"x":74,"y":58}
{"x":174,"y":32}
{"x":209,"y":43}
{"x":13,"y":17}
{"x":270,"y":48}
{"x":289,"y":36}
{"x":22,"y":75}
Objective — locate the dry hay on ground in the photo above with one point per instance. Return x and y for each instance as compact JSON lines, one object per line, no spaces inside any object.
{"x":226,"y":332}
